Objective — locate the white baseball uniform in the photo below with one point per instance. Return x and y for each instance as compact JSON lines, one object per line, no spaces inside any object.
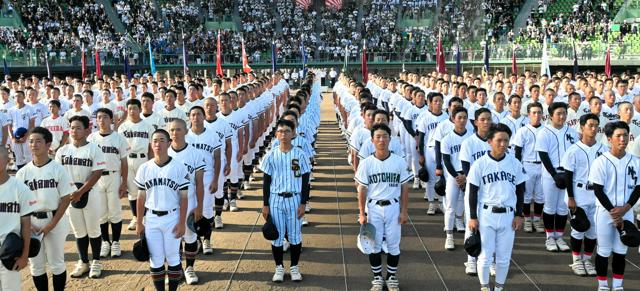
{"x":58,"y":127}
{"x":207,"y":142}
{"x":138,"y":136}
{"x":525,"y":137}
{"x":453,"y":203}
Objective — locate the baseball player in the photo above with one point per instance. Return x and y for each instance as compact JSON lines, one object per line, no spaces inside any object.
{"x":57,"y":125}
{"x":615,"y":185}
{"x":137,"y":132}
{"x":113,"y":184}
{"x":514,"y":120}
{"x":285,"y":192}
{"x":170,"y":112}
{"x":383,"y":197}
{"x":52,"y":185}
{"x":194,"y":160}
{"x":576,"y":162}
{"x":208,"y":143}
{"x":361,"y":133}
{"x":523,"y":144}
{"x":224,"y":131}
{"x":17,"y":202}
{"x":85,"y":162}
{"x":237,"y":124}
{"x":496,"y":195}
{"x":21,"y":116}
{"x":367,"y":148}
{"x":408,"y":118}
{"x":163,"y":183}
{"x":552,"y":140}
{"x":148,"y":114}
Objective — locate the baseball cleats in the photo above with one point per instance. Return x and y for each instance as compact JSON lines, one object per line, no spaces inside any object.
{"x":115,"y":249}
{"x":604,"y":288}
{"x":617,"y":289}
{"x":471,"y":268}
{"x":393,"y":284}
{"x":551,"y":245}
{"x":528,"y":226}
{"x":233,"y":206}
{"x":485,"y":289}
{"x":459,"y":225}
{"x":132,"y":223}
{"x":206,"y":247}
{"x":449,"y":244}
{"x":278,"y":276}
{"x":295,"y":274}
{"x":498,"y":288}
{"x":304,"y":221}
{"x":225,"y":206}
{"x":80,"y":270}
{"x":562,"y":245}
{"x":426,"y":196}
{"x":217,"y":222}
{"x":377,"y":284}
{"x":416,"y":184}
{"x":190,"y":276}
{"x":96,"y":269}
{"x":537,"y":224}
{"x":246,"y":185}
{"x":307,"y":208}
{"x":240,"y":194}
{"x":105,"y":249}
{"x":578,"y":268}
{"x":589,"y":268}
{"x":432,"y":209}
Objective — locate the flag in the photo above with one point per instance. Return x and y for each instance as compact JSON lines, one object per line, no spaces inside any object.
{"x":440,"y":65}
{"x":365,"y":71}
{"x":304,"y":4}
{"x":219,"y":72}
{"x":5,"y":68}
{"x":514,"y":65}
{"x":607,"y":62}
{"x":46,"y":62}
{"x":303,"y":52}
{"x":575,"y":62}
{"x":98,"y":68}
{"x":544,"y":67}
{"x":458,"y":65}
{"x":333,"y":4}
{"x":83,"y":60}
{"x":185,"y":67}
{"x":273,"y":57}
{"x":152,"y":62}
{"x":485,"y":68}
{"x":345,"y":66}
{"x":127,"y":68}
{"x":245,"y":59}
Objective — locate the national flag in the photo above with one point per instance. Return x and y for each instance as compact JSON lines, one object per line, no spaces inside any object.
{"x":544,"y":67}
{"x":273,"y":57}
{"x":5,"y":68}
{"x":304,"y":4}
{"x":219,"y":72}
{"x":185,"y":66}
{"x":333,"y":4}
{"x":83,"y":60}
{"x":458,"y":58}
{"x":127,"y":67}
{"x":514,"y":65}
{"x":245,"y":59}
{"x":607,"y":62}
{"x":575,"y":62}
{"x":303,"y":52}
{"x":365,"y":70}
{"x":98,"y":67}
{"x":485,"y":68}
{"x":345,"y":66}
{"x":152,"y":62}
{"x":440,"y":63}
{"x":46,"y":62}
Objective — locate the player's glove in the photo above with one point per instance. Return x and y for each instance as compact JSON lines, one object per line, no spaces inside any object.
{"x":560,"y":181}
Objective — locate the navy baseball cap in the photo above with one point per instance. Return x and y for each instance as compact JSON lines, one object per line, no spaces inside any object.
{"x":20,"y":132}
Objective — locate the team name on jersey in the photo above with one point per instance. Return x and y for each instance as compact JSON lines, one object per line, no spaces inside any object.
{"x":10,"y":207}
{"x":168,"y":120}
{"x":610,"y":116}
{"x":55,"y":128}
{"x":478,"y":155}
{"x":70,"y":160}
{"x":455,"y":148}
{"x":203,"y":146}
{"x":161,"y":182}
{"x":392,"y":178}
{"x":132,"y":134}
{"x":432,"y":125}
{"x":189,"y":168}
{"x":110,"y":150}
{"x":498,"y":176}
{"x":572,"y":122}
{"x":41,"y":184}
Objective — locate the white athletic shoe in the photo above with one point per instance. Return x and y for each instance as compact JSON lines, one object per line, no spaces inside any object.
{"x":217,"y":222}
{"x":96,"y":269}
{"x":416,"y":184}
{"x":190,"y":276}
{"x":377,"y":284}
{"x":528,"y":226}
{"x":393,"y":284}
{"x":432,"y":209}
{"x":295,"y":274}
{"x":562,"y":245}
{"x":246,"y":185}
{"x":80,"y":269}
{"x":426,"y":196}
{"x":492,"y":270}
{"x":459,"y":225}
{"x":132,"y":223}
{"x":604,"y":288}
{"x":618,"y":289}
{"x":578,"y":268}
{"x":589,"y":268}
{"x":240,"y":194}
{"x":485,"y":289}
{"x":537,"y":224}
{"x":225,"y":206}
{"x":498,"y":288}
{"x":304,"y":221}
{"x":233,"y":206}
{"x":115,"y":249}
{"x":285,"y":245}
{"x":551,"y":245}
{"x":307,"y":207}
{"x":449,"y":244}
{"x":105,"y":249}
{"x":471,"y":268}
{"x":279,"y":274}
{"x":206,"y":247}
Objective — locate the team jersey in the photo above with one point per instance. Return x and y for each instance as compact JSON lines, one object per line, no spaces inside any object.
{"x":610,"y":113}
{"x":185,"y":107}
{"x":49,"y":183}
{"x":525,"y":138}
{"x":162,"y":184}
{"x":4,"y":121}
{"x":20,"y":117}
{"x":555,"y":143}
{"x":497,"y":180}
{"x":299,"y":142}
{"x":174,"y":114}
{"x":80,"y":162}
{"x":138,"y":135}
{"x":473,"y":148}
{"x":40,"y":112}
{"x":444,"y":128}
{"x":72,"y":112}
{"x":618,"y":176}
{"x":412,"y":113}
{"x":358,"y":137}
{"x":155,"y":119}
{"x":224,"y":131}
{"x":114,"y":147}
{"x":207,"y":142}
{"x":194,"y":160}
{"x":58,"y":127}
{"x":16,"y":201}
{"x":514,"y":123}
{"x":368,"y":148}
{"x":236,"y":123}
{"x":5,"y":106}
{"x":383,"y":178}
{"x":286,"y":169}
{"x":427,"y":123}
{"x":579,"y":159}
{"x":451,"y":145}
{"x":600,"y":135}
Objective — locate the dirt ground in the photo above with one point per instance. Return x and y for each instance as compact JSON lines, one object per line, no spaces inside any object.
{"x":330,"y":259}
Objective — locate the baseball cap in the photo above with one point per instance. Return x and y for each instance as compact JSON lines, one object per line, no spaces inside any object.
{"x":12,"y":248}
{"x":191,"y":222}
{"x":579,"y":220}
{"x":629,"y":234}
{"x":269,"y":230}
{"x":440,"y":186}
{"x":367,"y":238}
{"x":83,"y":201}
{"x":473,"y":244}
{"x":20,"y":132}
{"x":423,"y":175}
{"x":140,"y":249}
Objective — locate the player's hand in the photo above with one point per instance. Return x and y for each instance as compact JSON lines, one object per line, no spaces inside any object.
{"x":572,"y":204}
{"x":123,"y":190}
{"x":362,"y":219}
{"x":139,"y":227}
{"x":265,"y":212}
{"x":75,"y":196}
{"x":618,"y":222}
{"x":438,"y":172}
{"x":178,"y":231}
{"x":20,"y":263}
{"x":517,"y":223}
{"x":618,"y":212}
{"x":213,"y":188}
{"x":460,"y":180}
{"x":197,"y":213}
{"x":252,"y":144}
{"x":227,"y":170}
{"x":300,"y":211}
{"x":472,"y":224}
{"x":239,"y":157}
{"x":403,"y":218}
{"x":421,"y":161}
{"x":46,"y":229}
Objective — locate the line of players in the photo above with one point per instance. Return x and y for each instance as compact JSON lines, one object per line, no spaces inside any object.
{"x":556,"y":137}
{"x":80,"y":161}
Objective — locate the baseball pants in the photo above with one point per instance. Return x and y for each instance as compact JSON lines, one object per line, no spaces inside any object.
{"x":607,"y":234}
{"x":413,"y":155}
{"x":386,"y":221}
{"x":430,"y":165}
{"x":9,"y":280}
{"x":284,"y":214}
{"x":21,"y":153}
{"x":134,"y":164}
{"x":453,"y":203}
{"x":533,"y":186}
{"x":554,"y":202}
{"x":208,"y":198}
{"x":589,"y":207}
{"x":496,"y":236}
{"x":51,"y":247}
{"x":189,"y":236}
{"x":86,"y":221}
{"x":161,"y":241}
{"x":106,"y":190}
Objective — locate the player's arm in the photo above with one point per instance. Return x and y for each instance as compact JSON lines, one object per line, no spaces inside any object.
{"x":568,"y":180}
{"x":241,"y":138}
{"x":25,"y":232}
{"x":32,"y":123}
{"x":421,"y":144}
{"x":404,"y":203}
{"x":88,"y":184}
{"x":362,"y":201}
{"x":438,"y":154}
{"x":598,"y":190}
{"x":473,"y":206}
{"x":255,"y":129}
{"x":466,"y":166}
{"x":124,"y":175}
{"x":142,"y":198}
{"x":228,"y":150}
{"x":266,"y":193}
{"x":546,"y":162}
{"x":5,"y":134}
{"x":304,"y":194}
{"x":199,"y":193}
{"x":245,"y":148}
{"x":518,"y":153}
{"x":184,"y":200}
{"x":519,"y":199}
{"x":216,"y":171}
{"x":449,"y":166}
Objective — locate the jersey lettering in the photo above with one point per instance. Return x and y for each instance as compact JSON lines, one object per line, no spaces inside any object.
{"x":110,"y":150}
{"x":478,"y":155}
{"x":70,"y":160}
{"x":499,"y":176}
{"x":454,"y":149}
{"x":168,"y":120}
{"x":41,"y":184}
{"x":393,"y":178}
{"x":132,"y":134}
{"x":161,"y":182}
{"x":10,"y":207}
{"x":205,"y":147}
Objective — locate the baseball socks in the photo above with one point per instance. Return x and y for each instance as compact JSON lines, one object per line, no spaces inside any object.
{"x":617,"y":268}
{"x":376,"y":264}
{"x":190,"y":252}
{"x":175,"y":276}
{"x":576,"y":249}
{"x":278,"y":254}
{"x":83,"y":248}
{"x":392,"y":265}
{"x":601,"y":270}
{"x":296,"y":250}
{"x":134,"y":211}
{"x":157,"y":276}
